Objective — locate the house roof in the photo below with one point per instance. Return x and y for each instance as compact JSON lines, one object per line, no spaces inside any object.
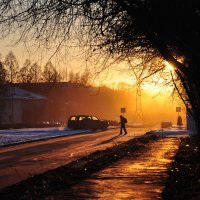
{"x":13,"y":92}
{"x":49,"y":85}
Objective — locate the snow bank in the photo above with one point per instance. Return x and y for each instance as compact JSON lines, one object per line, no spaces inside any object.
{"x":172,"y":132}
{"x":14,"y":136}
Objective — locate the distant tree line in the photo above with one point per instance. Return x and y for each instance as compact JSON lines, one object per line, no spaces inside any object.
{"x":11,"y":72}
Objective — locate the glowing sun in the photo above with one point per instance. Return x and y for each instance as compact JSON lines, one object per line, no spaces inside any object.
{"x":169,"y":67}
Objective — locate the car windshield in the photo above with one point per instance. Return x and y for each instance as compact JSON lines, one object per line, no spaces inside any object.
{"x":81,"y":118}
{"x":94,"y":118}
{"x":73,"y":118}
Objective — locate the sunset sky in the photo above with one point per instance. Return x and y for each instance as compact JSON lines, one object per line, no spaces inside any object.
{"x":74,"y":59}
{"x":156,"y":99}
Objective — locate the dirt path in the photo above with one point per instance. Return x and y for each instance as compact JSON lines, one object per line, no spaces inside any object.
{"x":136,"y":177}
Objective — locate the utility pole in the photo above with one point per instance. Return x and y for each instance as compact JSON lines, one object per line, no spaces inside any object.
{"x":138,"y":115}
{"x":138,"y":72}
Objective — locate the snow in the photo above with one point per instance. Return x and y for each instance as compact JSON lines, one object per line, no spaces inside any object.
{"x":172,"y":132}
{"x":15,"y":136}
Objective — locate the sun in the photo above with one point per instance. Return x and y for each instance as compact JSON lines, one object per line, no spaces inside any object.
{"x":169,"y":67}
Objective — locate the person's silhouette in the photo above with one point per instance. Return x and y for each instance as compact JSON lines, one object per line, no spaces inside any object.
{"x":123,"y":122}
{"x":179,"y":121}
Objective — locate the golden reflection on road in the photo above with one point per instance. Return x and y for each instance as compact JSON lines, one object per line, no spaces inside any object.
{"x":136,"y":177}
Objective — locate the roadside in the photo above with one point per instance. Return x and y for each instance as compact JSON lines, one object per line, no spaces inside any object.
{"x":138,"y":177}
{"x":183,"y":181}
{"x":13,"y":137}
{"x":184,"y":175}
{"x":27,"y":135}
{"x":18,"y":162}
{"x":41,"y":186}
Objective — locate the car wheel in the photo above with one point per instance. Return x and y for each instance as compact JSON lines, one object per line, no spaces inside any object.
{"x":104,"y":128}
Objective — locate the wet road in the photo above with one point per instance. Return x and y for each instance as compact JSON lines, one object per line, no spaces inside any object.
{"x":139,"y":177}
{"x":22,"y":161}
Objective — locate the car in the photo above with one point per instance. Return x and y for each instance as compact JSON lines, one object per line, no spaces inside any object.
{"x":50,"y":124}
{"x":166,"y":124}
{"x":87,"y":122}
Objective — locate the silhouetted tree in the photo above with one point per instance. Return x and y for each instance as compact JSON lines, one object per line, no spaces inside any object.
{"x":71,"y":77}
{"x":2,"y":73}
{"x":165,"y":28}
{"x":64,"y":74}
{"x":84,"y":79}
{"x":24,"y":75}
{"x":12,"y":67}
{"x":50,"y":73}
{"x":77,"y":77}
{"x":36,"y":73}
{"x":56,"y":76}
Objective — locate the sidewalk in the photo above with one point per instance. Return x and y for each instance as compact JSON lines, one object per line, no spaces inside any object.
{"x":135,"y":177}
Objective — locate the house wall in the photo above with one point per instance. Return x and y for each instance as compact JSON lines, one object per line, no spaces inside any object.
{"x":5,"y":111}
{"x":10,"y":111}
{"x":17,"y":111}
{"x":34,"y":111}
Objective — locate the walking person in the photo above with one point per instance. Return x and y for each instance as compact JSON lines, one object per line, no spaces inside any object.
{"x":179,"y":121}
{"x":122,"y":123}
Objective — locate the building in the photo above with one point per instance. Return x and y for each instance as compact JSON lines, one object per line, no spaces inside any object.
{"x":20,"y":107}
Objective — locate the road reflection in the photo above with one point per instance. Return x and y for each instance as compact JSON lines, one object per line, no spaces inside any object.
{"x":136,"y":177}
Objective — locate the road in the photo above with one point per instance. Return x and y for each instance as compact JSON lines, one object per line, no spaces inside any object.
{"x":25,"y":160}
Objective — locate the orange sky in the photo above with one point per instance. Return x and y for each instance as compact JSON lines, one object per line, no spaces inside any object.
{"x":156,"y":102}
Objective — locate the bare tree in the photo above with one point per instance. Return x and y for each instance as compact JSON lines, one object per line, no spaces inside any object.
{"x":77,"y":77}
{"x":24,"y":75}
{"x":85,"y":76}
{"x":36,"y":73}
{"x":120,"y":28}
{"x":12,"y":67}
{"x":50,"y":73}
{"x":64,"y":74}
{"x":71,"y":77}
{"x":3,"y":73}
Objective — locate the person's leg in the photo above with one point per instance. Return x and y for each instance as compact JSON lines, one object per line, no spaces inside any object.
{"x":125,"y":132}
{"x":120,"y":130}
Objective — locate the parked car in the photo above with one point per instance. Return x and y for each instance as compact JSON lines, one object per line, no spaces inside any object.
{"x":50,"y":124}
{"x":87,"y":122}
{"x":166,"y":124}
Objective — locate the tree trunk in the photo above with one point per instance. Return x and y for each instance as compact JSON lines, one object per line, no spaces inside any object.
{"x":188,"y":73}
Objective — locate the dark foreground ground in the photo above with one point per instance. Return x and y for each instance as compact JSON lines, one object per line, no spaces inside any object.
{"x":184,"y":175}
{"x":183,"y":181}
